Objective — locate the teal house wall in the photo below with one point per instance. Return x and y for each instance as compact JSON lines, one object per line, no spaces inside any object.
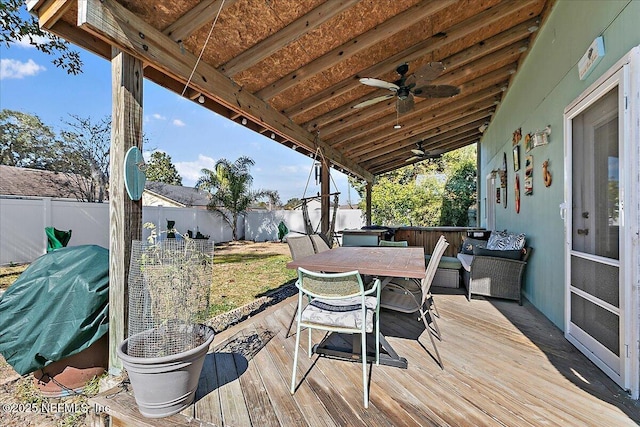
{"x":545,"y":83}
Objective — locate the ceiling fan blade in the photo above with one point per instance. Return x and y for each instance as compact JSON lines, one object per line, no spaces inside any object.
{"x":405,"y":105}
{"x":417,"y":151}
{"x":373,"y":101}
{"x":379,"y":83}
{"x":436,"y":91}
{"x":428,"y":72}
{"x":412,"y":159}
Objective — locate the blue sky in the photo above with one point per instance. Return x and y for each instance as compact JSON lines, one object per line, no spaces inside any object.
{"x":193,"y":136}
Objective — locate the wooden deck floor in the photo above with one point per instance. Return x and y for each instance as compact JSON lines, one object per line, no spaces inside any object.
{"x":504,"y":365}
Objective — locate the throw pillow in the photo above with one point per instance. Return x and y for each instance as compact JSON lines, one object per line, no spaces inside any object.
{"x":469,"y":244}
{"x":510,"y":254}
{"x":504,"y":241}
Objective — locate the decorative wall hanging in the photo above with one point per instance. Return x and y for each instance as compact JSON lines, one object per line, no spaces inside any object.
{"x":517,"y":189}
{"x":527,"y":142}
{"x":517,"y":136}
{"x":546,"y":175}
{"x":498,"y":195}
{"x":516,"y":158}
{"x":541,"y":137}
{"x":504,"y":180}
{"x":528,"y":176}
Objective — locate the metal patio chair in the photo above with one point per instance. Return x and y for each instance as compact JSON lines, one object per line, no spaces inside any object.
{"x":338,"y":303}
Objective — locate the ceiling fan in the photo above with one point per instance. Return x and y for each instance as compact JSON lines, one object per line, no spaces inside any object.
{"x":406,"y":87}
{"x":420,"y":154}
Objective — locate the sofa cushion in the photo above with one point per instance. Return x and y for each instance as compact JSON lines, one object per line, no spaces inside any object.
{"x":446,"y":262}
{"x":510,"y":254}
{"x":465,"y":260}
{"x":469,"y":244}
{"x":503,"y":241}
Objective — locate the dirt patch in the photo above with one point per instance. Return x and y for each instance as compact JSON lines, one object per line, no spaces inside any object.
{"x":249,"y":247}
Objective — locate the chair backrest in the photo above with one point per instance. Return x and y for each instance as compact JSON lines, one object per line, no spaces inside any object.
{"x":300,"y":246}
{"x":330,"y":285}
{"x":441,"y":246}
{"x":318,"y":243}
{"x":399,"y":243}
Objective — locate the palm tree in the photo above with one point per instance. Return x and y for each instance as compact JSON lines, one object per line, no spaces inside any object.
{"x":229,"y":186}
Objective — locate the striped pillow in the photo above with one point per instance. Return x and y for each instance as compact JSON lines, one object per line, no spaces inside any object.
{"x":505,"y":241}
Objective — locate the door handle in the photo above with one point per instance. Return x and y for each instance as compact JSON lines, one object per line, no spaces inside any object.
{"x":583,"y":231}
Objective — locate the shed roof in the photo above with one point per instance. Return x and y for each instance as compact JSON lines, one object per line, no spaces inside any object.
{"x":186,"y":196}
{"x":25,"y":182}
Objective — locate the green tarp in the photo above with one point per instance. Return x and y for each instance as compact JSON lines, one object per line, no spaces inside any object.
{"x":56,"y":239}
{"x":56,"y":308}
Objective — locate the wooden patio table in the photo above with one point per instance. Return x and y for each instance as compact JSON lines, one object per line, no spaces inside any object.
{"x":382,"y":262}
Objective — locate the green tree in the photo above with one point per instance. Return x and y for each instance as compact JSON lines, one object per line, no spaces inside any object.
{"x":292,"y":203}
{"x":230,"y":187}
{"x":16,"y":24}
{"x":459,"y":195}
{"x":26,"y":142}
{"x":434,"y":192}
{"x":161,"y":169}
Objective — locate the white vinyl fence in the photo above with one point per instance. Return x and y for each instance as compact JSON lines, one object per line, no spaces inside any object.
{"x":22,"y":224}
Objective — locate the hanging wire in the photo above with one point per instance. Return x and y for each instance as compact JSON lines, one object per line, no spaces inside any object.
{"x":203,"y":48}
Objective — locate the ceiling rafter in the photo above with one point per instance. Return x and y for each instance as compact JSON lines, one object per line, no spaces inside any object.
{"x":203,"y":12}
{"x":108,"y":19}
{"x":465,"y":57}
{"x":456,"y":77}
{"x":481,"y":43}
{"x":422,"y":112}
{"x":455,"y":33}
{"x":285,"y":36}
{"x":388,"y":28}
{"x":389,"y":166}
{"x":437,"y":129}
{"x":437,"y":141}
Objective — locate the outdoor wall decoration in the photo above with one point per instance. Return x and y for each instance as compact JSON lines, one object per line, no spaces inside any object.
{"x":517,"y":136}
{"x":516,"y":158}
{"x":498,"y":195}
{"x":504,"y":178}
{"x":541,"y":137}
{"x":528,"y":176}
{"x":546,"y":175}
{"x":517,"y":190}
{"x":527,"y":142}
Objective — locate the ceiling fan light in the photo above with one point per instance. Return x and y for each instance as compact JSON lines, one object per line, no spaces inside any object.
{"x":397,"y":126}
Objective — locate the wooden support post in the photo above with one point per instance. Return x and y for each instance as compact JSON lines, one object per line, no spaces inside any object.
{"x":125,"y":215}
{"x":325,"y":200}
{"x":368,"y":211}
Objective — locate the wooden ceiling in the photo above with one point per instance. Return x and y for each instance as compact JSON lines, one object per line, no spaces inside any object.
{"x":290,"y":69}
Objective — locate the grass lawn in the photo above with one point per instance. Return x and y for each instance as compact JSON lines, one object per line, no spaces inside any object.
{"x":242,"y":272}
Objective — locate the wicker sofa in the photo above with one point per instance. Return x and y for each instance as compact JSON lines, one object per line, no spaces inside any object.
{"x":494,"y":276}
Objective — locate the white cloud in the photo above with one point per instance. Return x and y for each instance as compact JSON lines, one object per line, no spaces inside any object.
{"x":190,"y":171}
{"x":158,"y":116}
{"x":14,"y":69}
{"x":178,"y":122}
{"x":25,"y":42}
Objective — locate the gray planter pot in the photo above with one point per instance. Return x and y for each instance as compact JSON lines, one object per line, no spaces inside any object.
{"x":165,"y":385}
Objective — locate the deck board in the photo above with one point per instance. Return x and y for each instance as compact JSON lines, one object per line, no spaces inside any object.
{"x":504,"y":365}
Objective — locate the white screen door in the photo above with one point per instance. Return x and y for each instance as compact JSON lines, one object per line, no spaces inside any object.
{"x":595,"y":289}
